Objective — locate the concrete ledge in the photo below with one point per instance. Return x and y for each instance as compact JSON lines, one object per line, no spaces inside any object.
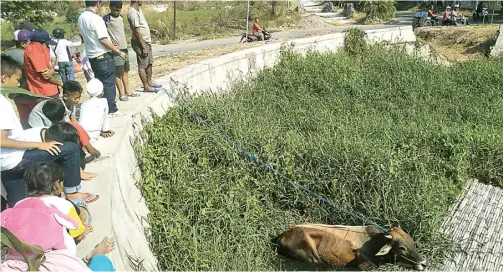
{"x":121,"y":210}
{"x":497,"y":50}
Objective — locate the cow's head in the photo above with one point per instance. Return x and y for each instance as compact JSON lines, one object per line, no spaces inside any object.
{"x":401,"y":245}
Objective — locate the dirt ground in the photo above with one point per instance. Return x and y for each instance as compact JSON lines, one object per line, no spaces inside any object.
{"x":460,"y":43}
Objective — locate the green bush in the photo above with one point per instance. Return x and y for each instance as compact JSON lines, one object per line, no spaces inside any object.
{"x":390,"y":136}
{"x":354,"y":42}
{"x":379,"y":10}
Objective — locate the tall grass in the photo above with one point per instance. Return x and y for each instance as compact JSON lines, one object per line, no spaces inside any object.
{"x":389,"y":136}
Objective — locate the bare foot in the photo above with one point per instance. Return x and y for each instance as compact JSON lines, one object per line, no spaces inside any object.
{"x":87,"y":175}
{"x":103,"y":248}
{"x":87,"y":197}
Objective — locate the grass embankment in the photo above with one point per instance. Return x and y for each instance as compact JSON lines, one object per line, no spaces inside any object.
{"x":461,"y":43}
{"x":387,"y":135}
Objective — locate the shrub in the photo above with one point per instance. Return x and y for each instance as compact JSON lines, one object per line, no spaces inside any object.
{"x":379,"y":10}
{"x":354,"y":42}
{"x":381,"y":135}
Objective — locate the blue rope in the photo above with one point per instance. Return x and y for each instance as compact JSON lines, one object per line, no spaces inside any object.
{"x":254,"y":158}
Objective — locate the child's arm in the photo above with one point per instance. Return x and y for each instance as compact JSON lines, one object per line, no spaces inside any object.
{"x":106,"y":122}
{"x":73,"y":119}
{"x":51,"y":147}
{"x":93,"y":151}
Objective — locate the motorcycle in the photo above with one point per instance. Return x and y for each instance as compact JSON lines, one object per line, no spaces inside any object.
{"x":252,"y":38}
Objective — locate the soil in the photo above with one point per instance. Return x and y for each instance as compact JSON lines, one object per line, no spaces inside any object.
{"x":460,"y":43}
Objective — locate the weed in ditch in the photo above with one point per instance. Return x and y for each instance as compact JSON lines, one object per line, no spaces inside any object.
{"x":390,"y":136}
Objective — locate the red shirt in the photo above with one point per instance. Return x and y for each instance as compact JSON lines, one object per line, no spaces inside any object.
{"x":36,"y":59}
{"x":255,"y":29}
{"x":83,"y":136}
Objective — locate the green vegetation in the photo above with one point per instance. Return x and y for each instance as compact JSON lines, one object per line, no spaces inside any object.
{"x":379,"y":10}
{"x":387,"y":135}
{"x":206,"y":20}
{"x":210,"y":20}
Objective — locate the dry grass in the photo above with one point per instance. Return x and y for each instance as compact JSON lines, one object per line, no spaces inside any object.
{"x":460,"y":43}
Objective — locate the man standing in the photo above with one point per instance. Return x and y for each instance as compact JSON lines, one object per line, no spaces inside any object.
{"x":141,"y":42}
{"x":98,"y":47}
{"x":115,"y":27}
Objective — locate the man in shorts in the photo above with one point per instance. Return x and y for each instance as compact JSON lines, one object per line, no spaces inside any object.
{"x":141,"y":42}
{"x":115,"y":28}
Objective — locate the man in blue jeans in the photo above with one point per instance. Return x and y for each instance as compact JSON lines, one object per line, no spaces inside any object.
{"x":17,"y":154}
{"x":98,"y":47}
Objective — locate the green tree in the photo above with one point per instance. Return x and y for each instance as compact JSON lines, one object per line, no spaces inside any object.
{"x":36,"y":12}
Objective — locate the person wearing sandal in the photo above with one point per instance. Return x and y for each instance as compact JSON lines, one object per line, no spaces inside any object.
{"x":94,"y":112}
{"x":141,"y":41}
{"x":115,"y":28}
{"x":17,"y":154}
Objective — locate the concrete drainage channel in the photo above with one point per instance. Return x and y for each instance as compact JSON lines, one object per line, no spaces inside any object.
{"x":121,"y":211}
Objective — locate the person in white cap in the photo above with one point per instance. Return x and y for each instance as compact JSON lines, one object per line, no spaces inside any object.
{"x":94,"y":112}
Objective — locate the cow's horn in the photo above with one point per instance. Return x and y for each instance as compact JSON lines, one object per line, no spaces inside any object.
{"x":388,"y":236}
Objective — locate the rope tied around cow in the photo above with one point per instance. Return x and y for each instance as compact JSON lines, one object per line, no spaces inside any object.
{"x":176,"y":85}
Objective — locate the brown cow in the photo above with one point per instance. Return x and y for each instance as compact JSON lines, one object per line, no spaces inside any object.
{"x":339,"y":246}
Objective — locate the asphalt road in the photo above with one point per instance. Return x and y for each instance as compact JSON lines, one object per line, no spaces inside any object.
{"x":168,"y":49}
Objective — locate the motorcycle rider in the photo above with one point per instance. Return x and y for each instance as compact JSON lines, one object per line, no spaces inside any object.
{"x":257,"y":31}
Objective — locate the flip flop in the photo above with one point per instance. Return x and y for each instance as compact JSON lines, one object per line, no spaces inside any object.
{"x":134,"y":95}
{"x":123,"y":98}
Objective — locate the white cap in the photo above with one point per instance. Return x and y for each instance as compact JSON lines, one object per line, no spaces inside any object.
{"x":456,"y":6}
{"x":94,"y":87}
{"x":15,"y":34}
{"x":448,"y":7}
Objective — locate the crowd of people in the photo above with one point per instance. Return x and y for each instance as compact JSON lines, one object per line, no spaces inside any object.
{"x":45,"y":146}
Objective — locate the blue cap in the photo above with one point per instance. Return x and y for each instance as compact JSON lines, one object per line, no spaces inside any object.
{"x":40,"y":35}
{"x":23,"y":35}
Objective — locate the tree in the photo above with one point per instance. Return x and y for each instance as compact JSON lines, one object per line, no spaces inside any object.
{"x":36,"y":12}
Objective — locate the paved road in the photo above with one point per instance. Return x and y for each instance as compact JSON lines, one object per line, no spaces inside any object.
{"x":168,"y":49}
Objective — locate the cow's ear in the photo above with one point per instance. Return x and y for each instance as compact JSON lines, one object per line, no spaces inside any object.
{"x":384,"y":250}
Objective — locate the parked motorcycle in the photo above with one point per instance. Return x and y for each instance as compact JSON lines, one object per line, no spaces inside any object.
{"x":252,"y":38}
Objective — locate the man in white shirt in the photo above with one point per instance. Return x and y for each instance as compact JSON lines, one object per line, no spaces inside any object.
{"x":17,"y":154}
{"x":98,"y":46}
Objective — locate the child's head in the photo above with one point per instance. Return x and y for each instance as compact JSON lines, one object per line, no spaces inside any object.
{"x":10,"y":71}
{"x":44,"y":178}
{"x":62,"y":132}
{"x":115,"y":8}
{"x":54,"y":110}
{"x":72,"y":92}
{"x":58,"y":33}
{"x":22,"y":37}
{"x":95,"y":88}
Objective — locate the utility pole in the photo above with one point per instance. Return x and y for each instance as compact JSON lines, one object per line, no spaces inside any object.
{"x":174,"y":19}
{"x":247,"y":18}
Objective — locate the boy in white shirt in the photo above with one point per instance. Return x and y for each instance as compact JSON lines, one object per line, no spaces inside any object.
{"x":63,"y":56}
{"x":94,"y":112}
{"x":17,"y":154}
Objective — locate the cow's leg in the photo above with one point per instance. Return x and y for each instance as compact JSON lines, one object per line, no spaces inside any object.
{"x":297,"y":244}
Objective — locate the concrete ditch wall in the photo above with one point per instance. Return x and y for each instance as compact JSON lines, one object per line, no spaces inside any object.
{"x":497,"y":50}
{"x":121,"y":211}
